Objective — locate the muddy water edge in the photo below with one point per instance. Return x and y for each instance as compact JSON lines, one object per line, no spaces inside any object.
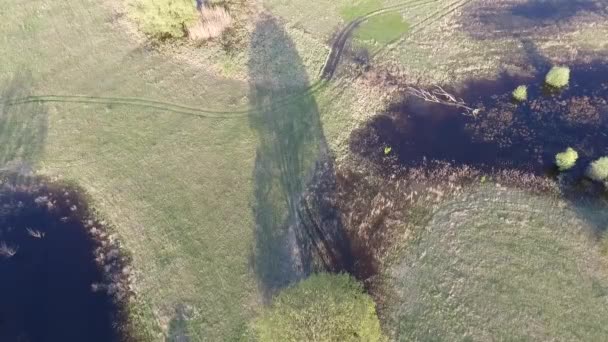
{"x":64,"y":277}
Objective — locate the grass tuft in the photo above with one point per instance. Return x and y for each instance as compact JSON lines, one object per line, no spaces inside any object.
{"x":558,"y":76}
{"x":567,"y":159}
{"x":520,"y":93}
{"x":598,"y":170}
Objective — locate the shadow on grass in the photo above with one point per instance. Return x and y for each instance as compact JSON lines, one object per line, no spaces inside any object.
{"x":23,"y":127}
{"x":178,"y":326}
{"x":294,"y":233}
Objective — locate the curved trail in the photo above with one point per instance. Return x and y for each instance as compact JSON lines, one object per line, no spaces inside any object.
{"x":337,"y":47}
{"x":203,"y":113}
{"x":327,"y":74}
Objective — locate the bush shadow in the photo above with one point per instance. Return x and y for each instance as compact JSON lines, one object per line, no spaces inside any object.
{"x":295,"y":233}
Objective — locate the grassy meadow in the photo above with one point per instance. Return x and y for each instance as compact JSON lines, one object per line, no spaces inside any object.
{"x":499,"y":264}
{"x":197,"y":156}
{"x":178,"y":182}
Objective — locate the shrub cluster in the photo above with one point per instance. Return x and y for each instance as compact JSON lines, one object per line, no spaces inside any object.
{"x":567,"y":159}
{"x":558,"y":76}
{"x":165,"y":18}
{"x":323,"y":307}
{"x":598,"y":170}
{"x":520,"y":93}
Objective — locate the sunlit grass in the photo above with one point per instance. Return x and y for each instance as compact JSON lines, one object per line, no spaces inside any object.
{"x":382,"y":29}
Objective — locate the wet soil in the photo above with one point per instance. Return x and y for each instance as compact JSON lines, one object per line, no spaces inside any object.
{"x":62,"y":278}
{"x":504,"y":134}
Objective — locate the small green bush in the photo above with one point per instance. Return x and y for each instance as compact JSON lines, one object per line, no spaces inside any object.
{"x":521,"y":93}
{"x":567,"y":159}
{"x":558,"y":76}
{"x":598,"y":170}
{"x":164,"y":18}
{"x":323,"y":307}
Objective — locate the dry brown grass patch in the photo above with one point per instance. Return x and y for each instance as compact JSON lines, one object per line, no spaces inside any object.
{"x":212,"y":23}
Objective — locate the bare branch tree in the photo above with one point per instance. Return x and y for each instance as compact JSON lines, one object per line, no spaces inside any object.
{"x":441,"y":96}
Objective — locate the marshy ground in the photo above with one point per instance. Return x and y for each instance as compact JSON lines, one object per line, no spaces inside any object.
{"x":64,"y":276}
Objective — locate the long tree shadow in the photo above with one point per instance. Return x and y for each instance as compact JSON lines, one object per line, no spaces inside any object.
{"x":23,"y":127}
{"x":292,"y":231}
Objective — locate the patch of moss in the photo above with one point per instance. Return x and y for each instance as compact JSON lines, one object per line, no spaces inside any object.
{"x":382,"y":29}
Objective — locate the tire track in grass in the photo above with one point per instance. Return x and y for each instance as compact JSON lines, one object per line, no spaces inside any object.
{"x":337,"y":50}
{"x":326,"y":76}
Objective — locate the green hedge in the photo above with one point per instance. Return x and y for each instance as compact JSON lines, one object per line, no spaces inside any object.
{"x":323,"y":307}
{"x":164,"y":18}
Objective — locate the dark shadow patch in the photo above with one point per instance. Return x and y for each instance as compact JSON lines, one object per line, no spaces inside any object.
{"x":295,"y":235}
{"x":23,"y":127}
{"x":489,"y":20}
{"x":64,"y":278}
{"x":549,"y":11}
{"x":504,"y":135}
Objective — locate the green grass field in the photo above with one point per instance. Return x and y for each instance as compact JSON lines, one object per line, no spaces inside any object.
{"x":503,"y":265}
{"x":177,"y":183}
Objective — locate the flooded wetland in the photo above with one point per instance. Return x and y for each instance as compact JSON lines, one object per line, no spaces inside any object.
{"x":62,"y":277}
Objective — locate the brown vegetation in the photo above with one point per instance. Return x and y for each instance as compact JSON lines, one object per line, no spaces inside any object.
{"x":213,"y":21}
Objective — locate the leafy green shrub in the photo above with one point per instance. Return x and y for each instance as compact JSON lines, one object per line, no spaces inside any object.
{"x":521,"y":93}
{"x":567,"y":159}
{"x":165,"y":18}
{"x":558,"y":76}
{"x":598,"y":170}
{"x":323,"y":307}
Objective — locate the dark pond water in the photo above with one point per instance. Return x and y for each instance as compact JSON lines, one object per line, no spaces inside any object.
{"x":48,"y":269}
{"x":504,"y":134}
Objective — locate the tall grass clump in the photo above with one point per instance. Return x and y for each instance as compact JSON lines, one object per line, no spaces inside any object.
{"x":520,"y":93}
{"x":323,"y":307}
{"x":558,"y":76}
{"x":212,"y":23}
{"x":165,"y":18}
{"x":567,"y":159}
{"x":598,"y":170}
